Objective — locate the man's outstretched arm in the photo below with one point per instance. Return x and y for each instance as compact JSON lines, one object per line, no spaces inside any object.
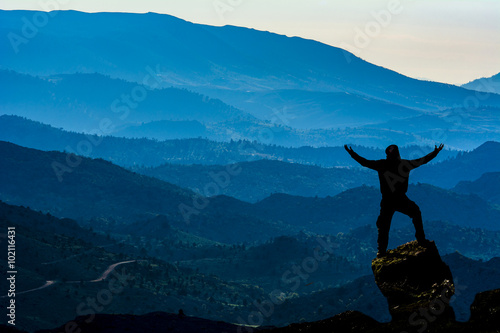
{"x":361,"y":160}
{"x":427,"y":158}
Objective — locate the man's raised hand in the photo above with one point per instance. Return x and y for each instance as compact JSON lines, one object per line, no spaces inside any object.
{"x":438,"y":149}
{"x":349,"y":149}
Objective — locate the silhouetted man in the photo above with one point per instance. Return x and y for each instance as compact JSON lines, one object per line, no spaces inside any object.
{"x":393,"y":174}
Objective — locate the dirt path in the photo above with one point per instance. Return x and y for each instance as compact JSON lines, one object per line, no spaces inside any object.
{"x":47,"y":284}
{"x":110,"y":269}
{"x":103,"y":277}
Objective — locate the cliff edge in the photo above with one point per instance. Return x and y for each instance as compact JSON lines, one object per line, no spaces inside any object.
{"x":417,"y":283}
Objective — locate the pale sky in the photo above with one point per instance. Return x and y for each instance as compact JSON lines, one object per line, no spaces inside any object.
{"x":451,"y":41}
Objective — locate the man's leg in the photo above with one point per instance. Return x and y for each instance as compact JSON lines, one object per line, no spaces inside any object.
{"x":410,"y":208}
{"x":384,"y":225}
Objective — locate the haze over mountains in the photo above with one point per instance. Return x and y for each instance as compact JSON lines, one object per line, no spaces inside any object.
{"x":487,"y":186}
{"x":51,"y":248}
{"x":198,"y":55}
{"x":291,"y":82}
{"x":93,"y":103}
{"x":66,"y":185}
{"x":142,"y":152}
{"x":485,"y":84}
{"x":209,"y":163}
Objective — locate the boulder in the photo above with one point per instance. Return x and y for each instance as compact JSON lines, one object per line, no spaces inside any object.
{"x":485,"y":311}
{"x":417,"y":283}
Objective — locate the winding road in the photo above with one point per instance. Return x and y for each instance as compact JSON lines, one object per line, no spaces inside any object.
{"x":47,"y":284}
{"x":110,"y":269}
{"x":103,"y":277}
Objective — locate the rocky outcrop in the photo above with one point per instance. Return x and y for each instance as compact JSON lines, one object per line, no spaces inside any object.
{"x":417,"y":283}
{"x":151,"y":322}
{"x":9,"y":329}
{"x":418,"y":286}
{"x":346,"y":322}
{"x":485,"y":311}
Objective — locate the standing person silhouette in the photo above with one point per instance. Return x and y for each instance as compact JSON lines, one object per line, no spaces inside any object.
{"x":393,"y":174}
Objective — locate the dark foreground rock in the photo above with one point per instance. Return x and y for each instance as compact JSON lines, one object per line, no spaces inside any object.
{"x":152,"y":322}
{"x":346,"y":322}
{"x":485,"y":320}
{"x":6,"y":328}
{"x":485,"y":311}
{"x":418,"y":285}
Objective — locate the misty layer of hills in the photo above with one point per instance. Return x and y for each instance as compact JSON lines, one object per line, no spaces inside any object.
{"x":65,"y":185}
{"x":204,"y":168}
{"x":485,"y":84}
{"x":225,"y":233}
{"x":97,"y":104}
{"x":193,"y":55}
{"x":315,"y":95}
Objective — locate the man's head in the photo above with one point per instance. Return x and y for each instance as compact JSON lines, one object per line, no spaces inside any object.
{"x":392,"y":152}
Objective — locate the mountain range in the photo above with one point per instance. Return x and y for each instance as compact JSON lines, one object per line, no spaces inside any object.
{"x":486,"y":84}
{"x":195,"y":55}
{"x":98,"y":104}
{"x":189,"y":162}
{"x":66,"y":269}
{"x":61,"y":251}
{"x":467,"y":166}
{"x":202,"y":170}
{"x":268,"y":176}
{"x":151,"y":153}
{"x":316,"y":88}
{"x":487,"y":187}
{"x":66,"y":185}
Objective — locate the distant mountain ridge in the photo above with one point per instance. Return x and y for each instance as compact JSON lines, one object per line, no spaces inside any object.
{"x":456,"y":127}
{"x":259,"y":179}
{"x":342,"y":212}
{"x":486,"y":84}
{"x":193,"y":55}
{"x":151,"y":153}
{"x":140,"y":155}
{"x":306,"y":109}
{"x":487,"y":187}
{"x":83,"y":102}
{"x":269,"y":176}
{"x":66,"y":185}
{"x":312,"y":96}
{"x":465,"y":166}
{"x":95,"y":103}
